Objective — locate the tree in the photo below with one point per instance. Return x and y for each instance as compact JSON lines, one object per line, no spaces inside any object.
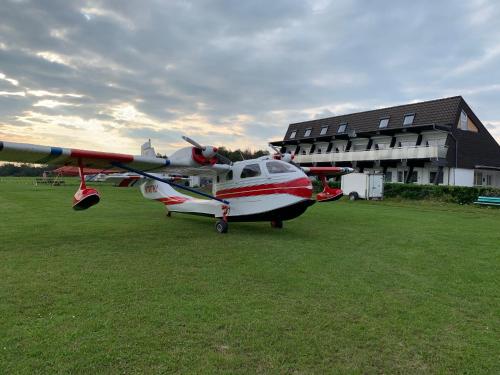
{"x":238,"y":154}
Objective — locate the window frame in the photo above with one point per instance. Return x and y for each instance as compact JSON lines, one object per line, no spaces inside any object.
{"x":464,"y":121}
{"x":386,"y":124}
{"x":440,"y":177}
{"x":247,"y":166}
{"x":413,"y":115}
{"x":345,"y":125}
{"x":283,"y":164}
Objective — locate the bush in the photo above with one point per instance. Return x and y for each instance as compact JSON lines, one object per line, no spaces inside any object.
{"x":453,"y":194}
{"x":318,"y":186}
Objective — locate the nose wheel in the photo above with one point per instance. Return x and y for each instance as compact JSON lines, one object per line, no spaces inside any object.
{"x":277,"y":224}
{"x":221,"y":226}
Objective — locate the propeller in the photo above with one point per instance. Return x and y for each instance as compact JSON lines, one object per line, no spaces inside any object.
{"x":287,"y":156}
{"x":208,"y":152}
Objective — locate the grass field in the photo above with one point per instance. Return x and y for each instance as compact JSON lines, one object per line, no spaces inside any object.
{"x":349,"y":287}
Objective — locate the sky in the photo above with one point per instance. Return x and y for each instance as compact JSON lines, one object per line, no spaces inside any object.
{"x":108,"y":75}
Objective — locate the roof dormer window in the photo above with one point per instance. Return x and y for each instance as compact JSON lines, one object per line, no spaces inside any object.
{"x":307,"y":133}
{"x":293,"y":134}
{"x":383,"y":123}
{"x":342,"y":128}
{"x":323,"y":131}
{"x":408,"y":119}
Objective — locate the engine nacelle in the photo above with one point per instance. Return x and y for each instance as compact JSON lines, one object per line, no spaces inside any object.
{"x":194,"y":157}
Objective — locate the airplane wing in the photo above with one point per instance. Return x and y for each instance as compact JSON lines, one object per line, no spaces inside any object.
{"x":198,"y":160}
{"x":36,"y":154}
{"x":187,"y":161}
{"x":327,"y":171}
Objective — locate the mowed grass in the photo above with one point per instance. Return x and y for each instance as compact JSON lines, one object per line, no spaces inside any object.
{"x":349,"y":287}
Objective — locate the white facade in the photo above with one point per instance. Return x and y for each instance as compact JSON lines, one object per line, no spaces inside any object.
{"x":431,"y":149}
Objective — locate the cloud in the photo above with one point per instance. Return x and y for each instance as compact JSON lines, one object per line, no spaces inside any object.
{"x":12,"y":93}
{"x":49,"y":103}
{"x":12,"y":81}
{"x":107,"y":74}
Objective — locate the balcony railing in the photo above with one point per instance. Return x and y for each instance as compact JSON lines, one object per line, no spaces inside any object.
{"x":397,"y":153}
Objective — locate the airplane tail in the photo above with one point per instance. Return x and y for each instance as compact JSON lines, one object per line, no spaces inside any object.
{"x":148,"y":150}
{"x":162,"y":192}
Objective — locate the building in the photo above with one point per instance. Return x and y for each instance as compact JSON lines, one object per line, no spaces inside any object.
{"x":434,"y":142}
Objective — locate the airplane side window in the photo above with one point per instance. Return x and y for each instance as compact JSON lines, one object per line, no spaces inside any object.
{"x":279,"y":167}
{"x":229,"y":175}
{"x":250,"y":170}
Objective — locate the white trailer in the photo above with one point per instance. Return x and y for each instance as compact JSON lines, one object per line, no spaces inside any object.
{"x":363,"y":185}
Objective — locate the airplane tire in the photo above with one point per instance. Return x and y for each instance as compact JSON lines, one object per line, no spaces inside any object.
{"x":221,"y":226}
{"x":277,"y":224}
{"x":169,"y":214}
{"x":353,"y":196}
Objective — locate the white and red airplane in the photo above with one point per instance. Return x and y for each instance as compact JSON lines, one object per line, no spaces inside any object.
{"x":270,"y":188}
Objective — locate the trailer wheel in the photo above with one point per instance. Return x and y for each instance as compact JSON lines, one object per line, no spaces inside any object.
{"x":353,"y":196}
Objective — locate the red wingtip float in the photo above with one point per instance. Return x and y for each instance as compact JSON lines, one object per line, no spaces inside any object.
{"x":85,"y":197}
{"x":270,"y":188}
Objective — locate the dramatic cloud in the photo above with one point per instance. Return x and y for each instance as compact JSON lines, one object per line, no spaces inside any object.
{"x":109,"y":74}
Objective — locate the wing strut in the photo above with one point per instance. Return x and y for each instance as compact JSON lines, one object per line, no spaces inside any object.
{"x":153,"y":177}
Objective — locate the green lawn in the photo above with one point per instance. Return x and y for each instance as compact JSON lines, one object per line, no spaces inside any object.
{"x":349,"y":287}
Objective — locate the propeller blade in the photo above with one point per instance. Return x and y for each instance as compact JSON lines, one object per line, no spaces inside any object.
{"x":276,"y":149}
{"x":193,"y":142}
{"x":224,"y":159}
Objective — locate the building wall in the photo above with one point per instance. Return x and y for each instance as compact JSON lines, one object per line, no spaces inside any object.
{"x":463,"y":177}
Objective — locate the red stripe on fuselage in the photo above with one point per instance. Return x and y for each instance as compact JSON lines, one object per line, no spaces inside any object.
{"x":172,"y":200}
{"x":127,"y":181}
{"x":84,"y":154}
{"x":300,"y":187}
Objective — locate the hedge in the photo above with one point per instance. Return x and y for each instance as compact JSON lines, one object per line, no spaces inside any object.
{"x":443,"y":193}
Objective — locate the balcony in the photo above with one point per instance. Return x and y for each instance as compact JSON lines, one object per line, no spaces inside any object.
{"x":397,"y":153}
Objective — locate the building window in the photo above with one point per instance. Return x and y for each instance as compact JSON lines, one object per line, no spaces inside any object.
{"x":381,"y":146}
{"x":323,"y":131}
{"x":408,"y":120}
{"x":251,"y":170}
{"x":432,"y":177}
{"x":401,"y":176}
{"x":307,"y":133}
{"x":388,"y":176}
{"x":463,"y":121}
{"x":383,"y":123}
{"x":478,"y":178}
{"x":489,"y":180}
{"x":293,"y":134}
{"x":414,"y":177}
{"x":342,"y":128}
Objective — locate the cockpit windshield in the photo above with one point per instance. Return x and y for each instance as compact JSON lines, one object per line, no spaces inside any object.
{"x":276,"y":166}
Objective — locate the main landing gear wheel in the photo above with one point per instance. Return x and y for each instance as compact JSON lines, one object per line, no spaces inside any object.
{"x":169,"y":214}
{"x":277,"y":224}
{"x":221,"y":226}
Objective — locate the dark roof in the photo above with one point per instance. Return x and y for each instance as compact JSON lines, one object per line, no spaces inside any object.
{"x":432,"y":112}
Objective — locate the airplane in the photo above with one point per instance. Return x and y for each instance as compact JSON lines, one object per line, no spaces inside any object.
{"x":270,"y":188}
